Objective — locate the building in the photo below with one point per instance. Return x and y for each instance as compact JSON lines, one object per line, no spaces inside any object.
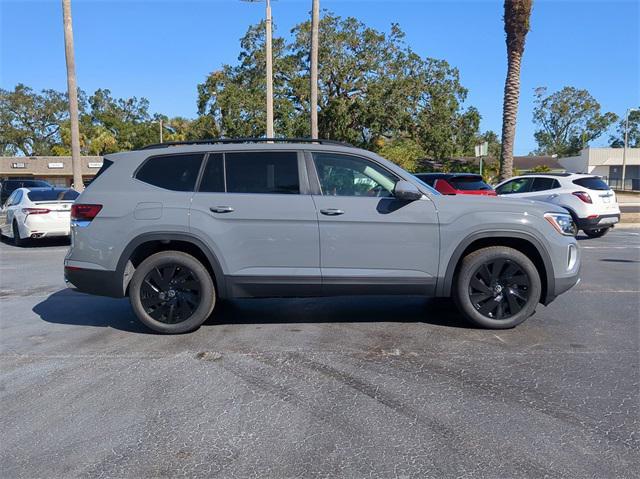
{"x":607,"y":162}
{"x":54,"y":169}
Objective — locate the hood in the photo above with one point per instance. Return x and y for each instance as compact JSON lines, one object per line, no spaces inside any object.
{"x":494,"y":204}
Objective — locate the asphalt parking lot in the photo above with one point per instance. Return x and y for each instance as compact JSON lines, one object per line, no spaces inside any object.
{"x":348,"y":387}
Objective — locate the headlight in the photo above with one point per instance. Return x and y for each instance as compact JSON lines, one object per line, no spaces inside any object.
{"x":562,"y":223}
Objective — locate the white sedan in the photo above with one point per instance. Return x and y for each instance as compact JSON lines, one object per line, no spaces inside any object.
{"x":37,"y":213}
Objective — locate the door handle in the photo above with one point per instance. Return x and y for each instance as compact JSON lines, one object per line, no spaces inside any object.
{"x":221,"y":209}
{"x":332,"y":212}
{"x":550,"y":197}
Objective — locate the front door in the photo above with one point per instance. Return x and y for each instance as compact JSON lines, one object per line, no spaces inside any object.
{"x":253,"y":210}
{"x":371,"y":242}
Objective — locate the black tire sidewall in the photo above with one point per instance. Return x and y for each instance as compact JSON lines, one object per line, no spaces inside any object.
{"x":600,"y":232}
{"x":468,"y":268}
{"x":208,"y":293}
{"x":16,"y":235}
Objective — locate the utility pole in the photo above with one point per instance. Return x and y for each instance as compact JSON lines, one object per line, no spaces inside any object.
{"x":315,"y":19}
{"x":160,"y":130}
{"x":72,"y":89}
{"x":270,"y":133}
{"x":626,"y":139}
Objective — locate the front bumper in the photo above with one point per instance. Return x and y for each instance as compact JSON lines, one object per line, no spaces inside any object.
{"x":600,"y":221}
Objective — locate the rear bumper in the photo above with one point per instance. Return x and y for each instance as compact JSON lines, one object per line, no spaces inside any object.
{"x":600,"y":221}
{"x":94,"y":281}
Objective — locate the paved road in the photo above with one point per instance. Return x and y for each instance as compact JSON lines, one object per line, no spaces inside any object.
{"x":349,"y":387}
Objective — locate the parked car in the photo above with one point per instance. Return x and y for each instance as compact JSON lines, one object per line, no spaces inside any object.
{"x":37,"y":213}
{"x":589,"y":200}
{"x":177,"y":227}
{"x":457,"y":183}
{"x":9,"y":186}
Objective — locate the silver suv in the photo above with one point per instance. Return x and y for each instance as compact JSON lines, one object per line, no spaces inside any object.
{"x":179,"y":227}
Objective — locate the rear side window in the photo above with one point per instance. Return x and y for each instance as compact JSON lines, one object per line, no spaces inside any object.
{"x":468,"y":183}
{"x":213,"y":177}
{"x":171,"y":172}
{"x":591,"y":183}
{"x":53,"y":195}
{"x":262,"y":172}
{"x":543,"y":184}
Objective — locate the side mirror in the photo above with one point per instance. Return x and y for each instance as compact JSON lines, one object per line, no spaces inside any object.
{"x":406,"y":191}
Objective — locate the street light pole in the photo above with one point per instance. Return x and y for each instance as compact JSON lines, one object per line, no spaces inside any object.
{"x":315,"y":19}
{"x":72,"y":89}
{"x":624,"y":150}
{"x":160,"y":130}
{"x":270,"y":133}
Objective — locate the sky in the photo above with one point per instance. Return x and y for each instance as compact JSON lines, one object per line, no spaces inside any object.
{"x":161,"y":49}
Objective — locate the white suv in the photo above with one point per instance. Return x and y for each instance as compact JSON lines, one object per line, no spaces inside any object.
{"x":588,"y":198}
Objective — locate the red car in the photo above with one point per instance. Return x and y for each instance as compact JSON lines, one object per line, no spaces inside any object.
{"x":457,"y":183}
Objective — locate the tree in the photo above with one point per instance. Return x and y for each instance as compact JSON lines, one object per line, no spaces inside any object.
{"x":373,"y":90}
{"x":494,"y":146}
{"x":405,"y":153}
{"x":30,"y":122}
{"x":568,"y":120}
{"x":516,"y":25}
{"x":633,"y":137}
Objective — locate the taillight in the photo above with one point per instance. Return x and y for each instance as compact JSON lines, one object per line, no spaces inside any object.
{"x":584,"y":196}
{"x":84,"y":212}
{"x":35,"y":211}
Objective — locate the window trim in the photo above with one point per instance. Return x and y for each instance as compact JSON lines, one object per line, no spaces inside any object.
{"x":303,"y":180}
{"x":316,"y":177}
{"x":149,"y":158}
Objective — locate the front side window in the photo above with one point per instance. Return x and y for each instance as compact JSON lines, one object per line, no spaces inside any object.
{"x":344,"y":175}
{"x":266,"y":172}
{"x":171,"y":172}
{"x":519,"y":185}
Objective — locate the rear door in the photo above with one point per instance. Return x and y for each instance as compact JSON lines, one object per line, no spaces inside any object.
{"x":254,"y":211}
{"x":544,"y":189}
{"x":371,"y":242}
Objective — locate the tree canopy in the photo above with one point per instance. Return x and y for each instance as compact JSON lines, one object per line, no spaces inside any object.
{"x":373,"y":90}
{"x":633,"y":135}
{"x":568,"y":120}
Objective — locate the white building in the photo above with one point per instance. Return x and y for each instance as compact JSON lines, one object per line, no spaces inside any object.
{"x":607,"y":162}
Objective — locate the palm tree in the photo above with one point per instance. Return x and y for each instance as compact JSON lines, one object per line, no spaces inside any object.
{"x":516,"y":26}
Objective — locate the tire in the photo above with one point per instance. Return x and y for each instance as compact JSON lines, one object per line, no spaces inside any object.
{"x":17,"y":240}
{"x":498,"y":298}
{"x":172,"y":292}
{"x":597,"y":233}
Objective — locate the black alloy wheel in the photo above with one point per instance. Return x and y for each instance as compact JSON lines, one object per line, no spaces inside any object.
{"x":499,"y":289}
{"x":171,"y":293}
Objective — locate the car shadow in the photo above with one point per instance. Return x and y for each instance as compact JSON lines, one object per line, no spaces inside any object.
{"x":72,"y":308}
{"x":38,"y":243}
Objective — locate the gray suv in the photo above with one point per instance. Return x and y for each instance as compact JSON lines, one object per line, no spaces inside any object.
{"x":179,"y":227}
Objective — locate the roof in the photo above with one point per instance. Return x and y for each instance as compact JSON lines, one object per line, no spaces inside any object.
{"x":531,"y":162}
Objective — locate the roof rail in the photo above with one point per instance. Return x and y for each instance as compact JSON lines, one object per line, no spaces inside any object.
{"x":244,"y":140}
{"x":547,"y":173}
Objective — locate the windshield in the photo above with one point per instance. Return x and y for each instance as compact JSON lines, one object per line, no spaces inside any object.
{"x":468,"y":183}
{"x":54,"y":194}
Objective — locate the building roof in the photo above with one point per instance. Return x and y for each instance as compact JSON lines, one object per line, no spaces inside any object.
{"x":531,"y":162}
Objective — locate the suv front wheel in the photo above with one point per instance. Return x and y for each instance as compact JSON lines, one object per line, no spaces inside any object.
{"x":497,"y":287}
{"x":172,"y":292}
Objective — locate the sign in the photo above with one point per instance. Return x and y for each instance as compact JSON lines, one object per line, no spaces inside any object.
{"x":56,"y":165}
{"x":95,"y":165}
{"x":482,"y":149}
{"x":18,"y":165}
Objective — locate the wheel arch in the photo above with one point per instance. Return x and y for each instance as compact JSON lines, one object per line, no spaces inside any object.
{"x":521,"y":241}
{"x":143,"y":246}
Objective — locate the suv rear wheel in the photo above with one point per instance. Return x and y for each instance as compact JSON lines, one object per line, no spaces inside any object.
{"x":497,"y":287}
{"x":172,"y":292}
